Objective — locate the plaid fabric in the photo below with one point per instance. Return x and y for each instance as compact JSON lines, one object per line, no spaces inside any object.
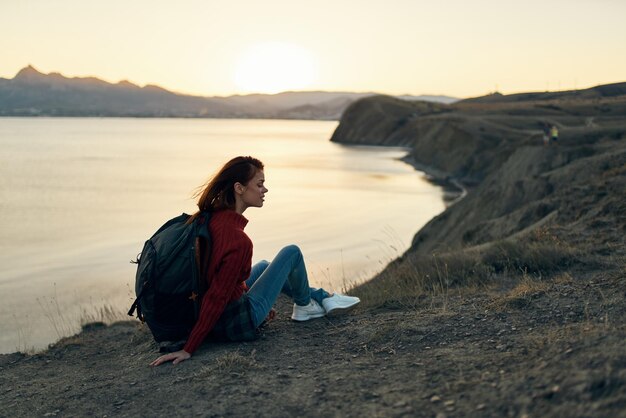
{"x":235,"y":323}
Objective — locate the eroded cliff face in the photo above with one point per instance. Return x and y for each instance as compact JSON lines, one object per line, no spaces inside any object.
{"x":441,"y":137}
{"x":578,"y":189}
{"x":374,"y":120}
{"x":516,"y":183}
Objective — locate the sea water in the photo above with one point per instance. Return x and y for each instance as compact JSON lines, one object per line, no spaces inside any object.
{"x":79,"y":196}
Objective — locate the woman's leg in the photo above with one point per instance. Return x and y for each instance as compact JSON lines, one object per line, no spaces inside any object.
{"x":287,"y":273}
{"x":316,"y":294}
{"x":256,"y":272}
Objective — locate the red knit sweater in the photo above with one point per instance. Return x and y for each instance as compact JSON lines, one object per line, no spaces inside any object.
{"x":229,"y":267}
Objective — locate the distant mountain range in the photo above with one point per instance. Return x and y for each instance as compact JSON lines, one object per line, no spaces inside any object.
{"x":32,"y":93}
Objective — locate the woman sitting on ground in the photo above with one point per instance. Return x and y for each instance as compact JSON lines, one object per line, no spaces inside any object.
{"x":240,"y":297}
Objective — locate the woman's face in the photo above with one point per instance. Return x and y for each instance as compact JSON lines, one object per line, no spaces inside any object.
{"x":254,"y":192}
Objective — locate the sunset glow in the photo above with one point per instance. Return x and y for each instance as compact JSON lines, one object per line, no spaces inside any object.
{"x":210,"y":48}
{"x":273,"y":67}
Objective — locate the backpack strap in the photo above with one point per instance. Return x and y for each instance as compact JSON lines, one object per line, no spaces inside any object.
{"x":203,"y":243}
{"x":202,"y":254}
{"x":137,"y":306}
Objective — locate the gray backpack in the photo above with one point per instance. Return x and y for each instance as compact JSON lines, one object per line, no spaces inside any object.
{"x":167,"y":284}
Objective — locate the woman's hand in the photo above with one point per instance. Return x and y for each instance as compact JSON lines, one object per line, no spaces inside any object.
{"x":175,"y":357}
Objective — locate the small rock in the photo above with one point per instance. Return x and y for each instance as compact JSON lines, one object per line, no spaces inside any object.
{"x":435,"y":398}
{"x":399,"y":404}
{"x":448,"y":403}
{"x":370,"y":395}
{"x":480,"y":406}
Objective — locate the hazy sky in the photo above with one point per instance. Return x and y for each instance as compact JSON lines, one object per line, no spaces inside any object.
{"x":454,"y":47}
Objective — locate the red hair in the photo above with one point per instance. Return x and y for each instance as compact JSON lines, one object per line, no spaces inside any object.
{"x":218,"y":193}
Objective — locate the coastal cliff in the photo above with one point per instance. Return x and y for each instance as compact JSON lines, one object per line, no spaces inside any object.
{"x":495,"y":148}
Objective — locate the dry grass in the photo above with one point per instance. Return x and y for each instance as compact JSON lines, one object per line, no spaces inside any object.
{"x":232,"y":362}
{"x":74,"y":340}
{"x":579,"y":334}
{"x":543,"y":258}
{"x":521,"y":295}
{"x":527,"y":288}
{"x":106,"y":314}
{"x":236,"y":361}
{"x":66,"y":322}
{"x":411,"y":278}
{"x":61,"y":324}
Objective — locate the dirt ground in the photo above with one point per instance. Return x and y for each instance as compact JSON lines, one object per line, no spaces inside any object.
{"x":533,"y":348}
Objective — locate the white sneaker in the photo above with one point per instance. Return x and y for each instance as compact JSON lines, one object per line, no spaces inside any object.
{"x":310,"y":311}
{"x":338,"y":303}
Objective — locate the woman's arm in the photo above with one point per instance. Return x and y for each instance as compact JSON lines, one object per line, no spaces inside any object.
{"x":232,"y":270}
{"x":223,"y":284}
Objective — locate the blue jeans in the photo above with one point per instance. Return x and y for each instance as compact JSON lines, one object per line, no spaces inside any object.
{"x":286,"y":274}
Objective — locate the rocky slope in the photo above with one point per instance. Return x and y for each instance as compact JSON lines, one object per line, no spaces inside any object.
{"x":516,"y":183}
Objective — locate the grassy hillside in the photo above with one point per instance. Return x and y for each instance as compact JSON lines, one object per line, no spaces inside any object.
{"x":531,"y":208}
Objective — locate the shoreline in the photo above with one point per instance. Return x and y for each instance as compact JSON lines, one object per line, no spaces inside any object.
{"x":454,"y":190}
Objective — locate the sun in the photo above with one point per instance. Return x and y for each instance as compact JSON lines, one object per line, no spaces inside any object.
{"x":272,"y":67}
